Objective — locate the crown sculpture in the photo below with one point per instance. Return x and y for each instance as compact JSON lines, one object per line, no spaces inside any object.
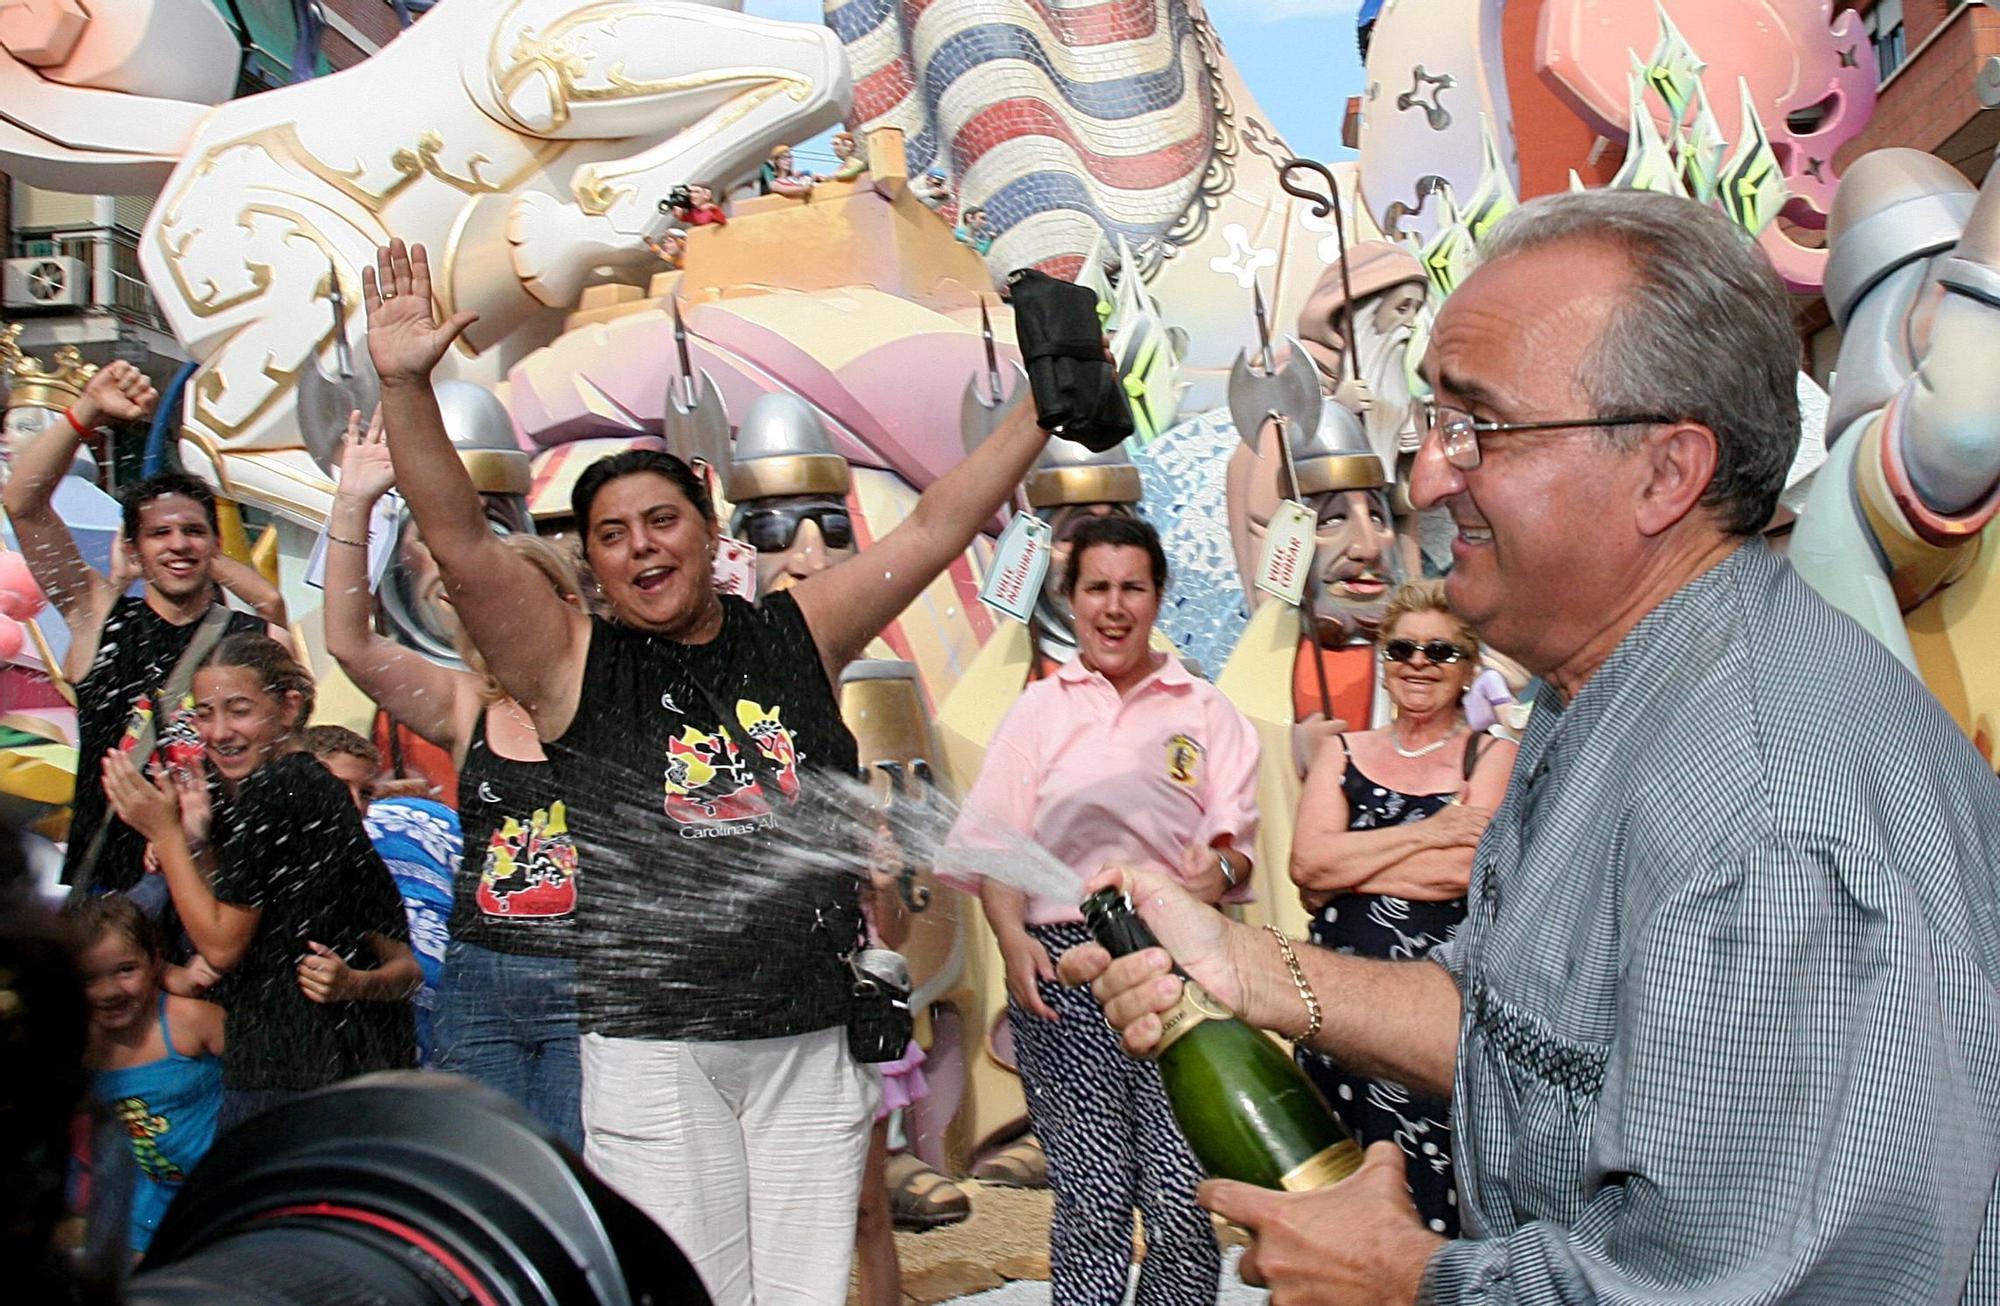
{"x":32,"y":385}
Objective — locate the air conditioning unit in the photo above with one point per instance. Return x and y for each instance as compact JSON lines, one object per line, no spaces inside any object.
{"x":45,"y":281}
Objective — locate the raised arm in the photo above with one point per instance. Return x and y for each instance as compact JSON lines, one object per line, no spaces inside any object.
{"x":426,"y":697}
{"x":533,"y":642}
{"x":248,"y":584}
{"x":847,"y":606}
{"x":119,"y":392}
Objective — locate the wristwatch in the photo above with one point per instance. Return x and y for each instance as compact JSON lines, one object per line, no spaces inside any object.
{"x":1229,"y":877}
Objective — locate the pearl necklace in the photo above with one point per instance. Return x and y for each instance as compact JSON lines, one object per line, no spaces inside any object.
{"x":1426,"y":750}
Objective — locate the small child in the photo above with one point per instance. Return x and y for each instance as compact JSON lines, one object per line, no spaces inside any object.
{"x":155,"y":1059}
{"x":290,"y":902}
{"x":417,"y":839}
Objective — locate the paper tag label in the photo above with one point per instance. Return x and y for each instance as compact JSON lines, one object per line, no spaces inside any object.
{"x":1288,"y":552}
{"x":381,"y":543}
{"x":735,"y":568}
{"x":1020,"y":565}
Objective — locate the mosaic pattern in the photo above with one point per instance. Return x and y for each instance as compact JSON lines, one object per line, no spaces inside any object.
{"x":1182,"y":472}
{"x":1063,"y":120}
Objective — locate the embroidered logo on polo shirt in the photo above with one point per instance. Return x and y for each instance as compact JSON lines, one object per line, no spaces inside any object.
{"x":1184,"y":761}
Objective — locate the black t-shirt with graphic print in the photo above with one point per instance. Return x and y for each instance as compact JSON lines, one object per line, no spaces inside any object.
{"x":136,"y":652}
{"x":516,"y":886}
{"x":292,"y":844}
{"x":709,"y":912}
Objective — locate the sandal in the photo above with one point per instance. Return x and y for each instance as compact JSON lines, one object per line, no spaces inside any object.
{"x":920,"y":1197}
{"x":1020,"y":1164}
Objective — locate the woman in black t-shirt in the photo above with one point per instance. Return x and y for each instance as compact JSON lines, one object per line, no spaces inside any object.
{"x":302,"y":917}
{"x":506,"y":1009}
{"x":718,"y":1091}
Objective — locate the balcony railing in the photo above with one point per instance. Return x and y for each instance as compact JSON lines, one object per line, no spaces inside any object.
{"x":123,"y":293}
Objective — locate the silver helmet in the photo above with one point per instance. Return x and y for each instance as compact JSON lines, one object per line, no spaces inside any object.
{"x":1334,"y":456}
{"x":1068,"y":473}
{"x":782,"y":448}
{"x":1893,"y":206}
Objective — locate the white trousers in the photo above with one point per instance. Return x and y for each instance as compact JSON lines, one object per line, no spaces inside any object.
{"x":749,"y":1154}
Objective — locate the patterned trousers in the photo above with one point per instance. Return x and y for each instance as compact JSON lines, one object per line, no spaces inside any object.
{"x":1112,"y":1144}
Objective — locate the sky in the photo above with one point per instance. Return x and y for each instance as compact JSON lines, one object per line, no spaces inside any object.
{"x":1298,"y":56}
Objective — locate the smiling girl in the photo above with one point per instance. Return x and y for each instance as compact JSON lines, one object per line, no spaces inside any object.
{"x":154,"y":1059}
{"x":302,"y":917}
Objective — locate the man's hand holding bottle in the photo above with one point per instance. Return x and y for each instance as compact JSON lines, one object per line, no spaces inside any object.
{"x":1134,"y":990}
{"x":1299,"y":1196}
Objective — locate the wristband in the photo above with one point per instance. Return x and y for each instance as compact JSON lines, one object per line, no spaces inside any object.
{"x":352,"y":544}
{"x":1313,"y":1012}
{"x":77,"y":426}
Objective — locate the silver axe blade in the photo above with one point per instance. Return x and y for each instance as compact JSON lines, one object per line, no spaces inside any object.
{"x":981,"y":411}
{"x":324,"y":400}
{"x":695,"y":423}
{"x":984,"y":407}
{"x":1293,"y":390}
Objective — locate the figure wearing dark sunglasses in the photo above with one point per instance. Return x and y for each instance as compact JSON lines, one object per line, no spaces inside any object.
{"x":790,"y":491}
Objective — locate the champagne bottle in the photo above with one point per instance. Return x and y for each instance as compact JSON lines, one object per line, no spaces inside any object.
{"x":1245,"y":1107}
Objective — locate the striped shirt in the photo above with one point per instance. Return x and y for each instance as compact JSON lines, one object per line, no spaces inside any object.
{"x":1731,"y":978}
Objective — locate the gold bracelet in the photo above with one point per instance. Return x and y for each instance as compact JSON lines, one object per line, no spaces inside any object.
{"x":1313,"y":1012}
{"x":352,"y":544}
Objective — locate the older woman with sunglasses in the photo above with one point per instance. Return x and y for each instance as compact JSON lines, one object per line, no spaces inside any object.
{"x":1387,"y":824}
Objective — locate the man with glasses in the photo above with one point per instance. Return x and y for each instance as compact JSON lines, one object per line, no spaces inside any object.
{"x":1723,"y":1019}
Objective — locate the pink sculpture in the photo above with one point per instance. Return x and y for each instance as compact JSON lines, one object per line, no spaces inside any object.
{"x":1809,"y":73}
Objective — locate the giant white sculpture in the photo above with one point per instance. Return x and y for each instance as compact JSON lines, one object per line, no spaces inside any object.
{"x":527,"y":143}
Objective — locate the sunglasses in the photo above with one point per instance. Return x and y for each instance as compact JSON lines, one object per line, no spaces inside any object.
{"x":1440,"y":651}
{"x":769,"y":530}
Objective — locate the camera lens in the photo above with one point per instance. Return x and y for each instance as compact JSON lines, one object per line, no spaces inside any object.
{"x":405,"y":1189}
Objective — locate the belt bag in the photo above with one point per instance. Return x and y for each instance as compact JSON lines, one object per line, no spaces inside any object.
{"x":879,"y":1023}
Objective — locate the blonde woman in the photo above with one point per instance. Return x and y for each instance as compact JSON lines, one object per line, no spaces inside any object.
{"x":506,"y":1008}
{"x":1386,"y":829}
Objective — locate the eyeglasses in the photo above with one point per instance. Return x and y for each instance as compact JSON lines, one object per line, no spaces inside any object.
{"x":1459,"y":431}
{"x":769,"y":530}
{"x":1440,"y":651}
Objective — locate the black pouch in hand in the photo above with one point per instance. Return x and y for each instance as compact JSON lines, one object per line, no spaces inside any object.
{"x":1077,"y":395}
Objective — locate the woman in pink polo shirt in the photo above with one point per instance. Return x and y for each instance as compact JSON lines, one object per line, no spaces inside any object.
{"x":1120,"y":756}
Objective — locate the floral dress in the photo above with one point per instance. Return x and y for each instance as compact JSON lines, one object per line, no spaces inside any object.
{"x":1399,"y":929}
